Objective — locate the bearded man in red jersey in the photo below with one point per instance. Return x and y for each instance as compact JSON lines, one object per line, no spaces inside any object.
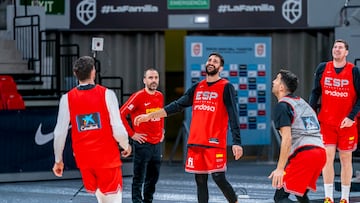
{"x":147,"y":137}
{"x":213,"y":102}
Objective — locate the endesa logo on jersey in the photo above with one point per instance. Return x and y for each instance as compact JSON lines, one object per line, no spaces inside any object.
{"x":203,"y":101}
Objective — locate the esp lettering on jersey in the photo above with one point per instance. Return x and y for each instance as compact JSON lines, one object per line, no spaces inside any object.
{"x":206,"y":97}
{"x":339,"y":87}
{"x":335,"y":82}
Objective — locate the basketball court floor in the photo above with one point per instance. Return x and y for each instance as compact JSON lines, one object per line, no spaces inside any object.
{"x":250,"y":180}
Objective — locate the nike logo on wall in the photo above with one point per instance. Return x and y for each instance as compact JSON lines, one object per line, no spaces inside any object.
{"x":41,"y":139}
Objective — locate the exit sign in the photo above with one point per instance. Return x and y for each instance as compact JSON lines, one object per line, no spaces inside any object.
{"x":52,"y":7}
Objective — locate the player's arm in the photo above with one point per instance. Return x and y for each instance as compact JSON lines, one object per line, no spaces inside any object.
{"x":162,"y":120}
{"x":161,"y":113}
{"x":174,"y":107}
{"x":350,"y":119}
{"x":60,"y":134}
{"x":230,"y":101}
{"x":316,"y":91}
{"x":278,"y":174}
{"x":183,"y":102}
{"x":118,"y":129}
{"x":356,"y":79}
{"x":230,"y":104}
{"x":282,"y":117}
{"x":125,"y":110}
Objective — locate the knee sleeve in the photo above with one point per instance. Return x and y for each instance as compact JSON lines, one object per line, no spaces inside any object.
{"x":281,"y":195}
{"x":304,"y":198}
{"x":225,"y":187}
{"x":201,"y":179}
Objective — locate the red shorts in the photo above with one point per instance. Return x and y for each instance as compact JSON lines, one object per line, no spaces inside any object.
{"x":345,"y":139}
{"x":107,"y":180}
{"x":303,"y":171}
{"x":205,"y":160}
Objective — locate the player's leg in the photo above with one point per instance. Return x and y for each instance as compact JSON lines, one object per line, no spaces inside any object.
{"x":140,"y":161}
{"x":202,"y":188}
{"x":330,"y":140}
{"x":346,"y":173}
{"x":281,"y":196}
{"x":347,"y":144}
{"x":303,"y":171}
{"x":225,"y":187}
{"x":152,"y":173}
{"x":90,"y":183}
{"x":304,"y":198}
{"x":109,"y":185}
{"x":113,"y":198}
{"x":99,"y":196}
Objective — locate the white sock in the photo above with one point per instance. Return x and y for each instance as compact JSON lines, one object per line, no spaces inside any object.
{"x":329,"y":188}
{"x":345,"y":191}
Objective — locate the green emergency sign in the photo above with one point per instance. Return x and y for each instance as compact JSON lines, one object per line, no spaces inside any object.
{"x":188,"y":4}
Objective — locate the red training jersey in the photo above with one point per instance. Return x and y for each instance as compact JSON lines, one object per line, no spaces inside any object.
{"x":142,"y":102}
{"x":338,"y":94}
{"x":92,"y":138}
{"x":209,"y":122}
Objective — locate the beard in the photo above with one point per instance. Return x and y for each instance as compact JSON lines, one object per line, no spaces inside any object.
{"x":152,"y":86}
{"x":213,"y":72}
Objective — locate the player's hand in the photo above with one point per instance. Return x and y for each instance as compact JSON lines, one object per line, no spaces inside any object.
{"x":237,"y":151}
{"x":126,"y":152}
{"x":58,"y":169}
{"x":347,"y":122}
{"x":140,"y":138}
{"x":141,"y":118}
{"x":277,"y":177}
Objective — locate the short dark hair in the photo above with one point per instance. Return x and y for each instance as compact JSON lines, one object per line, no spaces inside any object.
{"x":344,"y":42}
{"x":83,"y":66}
{"x":149,"y":69}
{"x":289,"y":79}
{"x":218,"y":55}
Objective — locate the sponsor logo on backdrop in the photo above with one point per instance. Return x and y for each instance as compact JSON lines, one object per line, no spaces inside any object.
{"x":86,"y":11}
{"x":41,"y":138}
{"x":292,"y":10}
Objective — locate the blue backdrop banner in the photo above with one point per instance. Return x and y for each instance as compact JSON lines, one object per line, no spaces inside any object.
{"x":248,"y":67}
{"x":26,"y":141}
